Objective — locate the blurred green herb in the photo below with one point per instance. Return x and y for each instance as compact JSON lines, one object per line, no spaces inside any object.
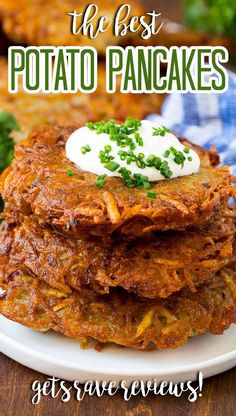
{"x":7,"y":125}
{"x":213,"y":16}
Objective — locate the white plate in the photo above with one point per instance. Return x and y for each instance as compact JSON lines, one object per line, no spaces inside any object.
{"x":58,"y":356}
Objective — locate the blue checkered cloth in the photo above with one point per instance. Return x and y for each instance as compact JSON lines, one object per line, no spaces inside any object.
{"x":205,"y":119}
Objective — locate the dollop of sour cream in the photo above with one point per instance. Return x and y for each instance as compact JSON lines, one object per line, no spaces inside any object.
{"x":151,"y":145}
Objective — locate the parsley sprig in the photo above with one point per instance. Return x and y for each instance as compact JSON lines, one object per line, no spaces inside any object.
{"x":7,"y":125}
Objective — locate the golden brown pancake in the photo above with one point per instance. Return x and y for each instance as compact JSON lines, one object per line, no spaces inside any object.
{"x":38,"y":183}
{"x":155,"y":267}
{"x":122,"y":318}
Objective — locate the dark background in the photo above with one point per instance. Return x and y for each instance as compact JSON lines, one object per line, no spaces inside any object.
{"x":218,"y":398}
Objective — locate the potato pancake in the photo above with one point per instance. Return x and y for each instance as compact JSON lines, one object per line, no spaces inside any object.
{"x":122,"y":318}
{"x":38,"y":183}
{"x":155,"y":267}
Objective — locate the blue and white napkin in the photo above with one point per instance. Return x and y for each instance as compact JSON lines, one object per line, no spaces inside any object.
{"x":204,"y":119}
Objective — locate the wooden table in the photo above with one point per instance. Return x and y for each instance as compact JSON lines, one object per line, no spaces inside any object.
{"x":219,"y":393}
{"x":218,"y":398}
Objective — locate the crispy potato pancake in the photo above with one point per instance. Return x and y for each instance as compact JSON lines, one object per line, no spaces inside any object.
{"x":38,"y":183}
{"x":122,"y":318}
{"x":47,"y":23}
{"x":32,"y":110}
{"x":154,"y":267}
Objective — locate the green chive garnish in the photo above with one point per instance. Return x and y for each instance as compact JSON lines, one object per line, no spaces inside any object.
{"x":122,"y":154}
{"x":107,"y":148}
{"x":152,"y":195}
{"x":179,"y":157}
{"x":112,"y":166}
{"x":100,"y":181}
{"x":165,"y":170}
{"x":85,"y":149}
{"x":90,"y":125}
{"x":70,"y":172}
{"x":146,"y":185}
{"x":138,"y":139}
{"x":160,"y":131}
{"x":127,"y":137}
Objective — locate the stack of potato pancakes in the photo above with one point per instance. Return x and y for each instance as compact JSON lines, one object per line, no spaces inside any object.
{"x":108,"y":263}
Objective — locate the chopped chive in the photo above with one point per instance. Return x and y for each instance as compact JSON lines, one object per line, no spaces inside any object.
{"x":132,"y":122}
{"x":146,"y":185}
{"x":112,"y":166}
{"x":160,"y":131}
{"x":190,"y":159}
{"x":165,"y":170}
{"x":124,"y":172}
{"x":152,"y":195}
{"x":150,"y":160}
{"x":179,"y":157}
{"x":138,"y":139}
{"x":122,"y":154}
{"x":90,"y":125}
{"x":154,"y":161}
{"x":85,"y":149}
{"x":104,"y":155}
{"x":70,"y":172}
{"x":100,"y":181}
{"x":186,"y":150}
{"x":107,"y":148}
{"x":140,"y":164}
{"x":121,"y":135}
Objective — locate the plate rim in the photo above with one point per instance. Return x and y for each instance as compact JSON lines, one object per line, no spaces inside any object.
{"x":30,"y":351}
